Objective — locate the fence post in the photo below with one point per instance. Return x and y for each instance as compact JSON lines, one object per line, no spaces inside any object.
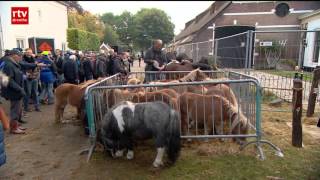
{"x":216,"y":53}
{"x":313,"y":95}
{"x":297,"y":111}
{"x":197,"y":52}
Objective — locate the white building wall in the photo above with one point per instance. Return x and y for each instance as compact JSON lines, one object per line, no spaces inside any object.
{"x":47,"y":19}
{"x":313,"y":24}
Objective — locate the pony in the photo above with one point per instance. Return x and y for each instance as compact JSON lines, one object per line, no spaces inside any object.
{"x":134,"y":81}
{"x":127,"y":122}
{"x":70,"y":94}
{"x":184,"y":65}
{"x":213,"y":113}
{"x":194,"y":75}
{"x":156,"y":96}
{"x":224,"y":91}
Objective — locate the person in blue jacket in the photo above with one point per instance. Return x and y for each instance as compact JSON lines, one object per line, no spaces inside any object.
{"x":4,"y":121}
{"x":48,"y":76}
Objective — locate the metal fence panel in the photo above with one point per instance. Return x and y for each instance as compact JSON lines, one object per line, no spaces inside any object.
{"x":246,"y":89}
{"x":196,"y":51}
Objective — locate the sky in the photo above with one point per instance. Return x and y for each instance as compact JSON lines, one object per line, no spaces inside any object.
{"x":179,"y":11}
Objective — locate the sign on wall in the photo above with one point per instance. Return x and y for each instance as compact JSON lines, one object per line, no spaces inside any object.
{"x":41,"y":44}
{"x":266,"y":43}
{"x":19,"y":15}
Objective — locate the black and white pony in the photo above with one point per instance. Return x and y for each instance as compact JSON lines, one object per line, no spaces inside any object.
{"x":127,"y":121}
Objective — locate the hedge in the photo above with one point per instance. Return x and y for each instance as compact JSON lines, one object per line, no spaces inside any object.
{"x":82,"y":40}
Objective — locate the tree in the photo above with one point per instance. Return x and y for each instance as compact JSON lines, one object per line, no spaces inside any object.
{"x":152,"y":24}
{"x":87,"y":22}
{"x":75,"y":5}
{"x":125,"y":28}
{"x":109,"y":18}
{"x":122,"y":25}
{"x":110,"y":36}
{"x":82,"y":40}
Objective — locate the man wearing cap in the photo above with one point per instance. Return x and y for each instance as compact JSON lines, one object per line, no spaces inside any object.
{"x":155,"y":59}
{"x":14,"y":92}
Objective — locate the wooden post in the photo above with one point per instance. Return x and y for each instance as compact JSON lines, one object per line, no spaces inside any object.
{"x":297,"y":111}
{"x":313,"y":95}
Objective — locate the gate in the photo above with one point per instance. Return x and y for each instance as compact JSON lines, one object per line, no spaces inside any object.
{"x":246,"y":89}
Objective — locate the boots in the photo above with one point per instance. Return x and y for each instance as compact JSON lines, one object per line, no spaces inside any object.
{"x":15,"y":129}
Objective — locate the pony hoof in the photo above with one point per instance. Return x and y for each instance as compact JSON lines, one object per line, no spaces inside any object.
{"x":119,"y":154}
{"x":157,"y":164}
{"x":130,"y":155}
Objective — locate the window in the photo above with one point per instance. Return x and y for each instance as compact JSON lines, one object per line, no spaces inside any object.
{"x":282,"y":9}
{"x":20,"y":43}
{"x":316,"y":47}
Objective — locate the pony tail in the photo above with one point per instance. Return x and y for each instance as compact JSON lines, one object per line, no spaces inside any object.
{"x":173,"y":137}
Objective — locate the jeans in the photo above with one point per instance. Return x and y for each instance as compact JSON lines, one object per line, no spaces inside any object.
{"x":47,"y":91}
{"x":31,"y":88}
{"x":60,"y":79}
{"x":15,"y":110}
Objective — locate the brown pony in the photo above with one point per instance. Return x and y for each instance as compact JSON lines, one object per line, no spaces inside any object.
{"x":70,"y":94}
{"x":212,"y":112}
{"x":156,"y":96}
{"x":224,"y":91}
{"x":185,"y":65}
{"x":115,"y":96}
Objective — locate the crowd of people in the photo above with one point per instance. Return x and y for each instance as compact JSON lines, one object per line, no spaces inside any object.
{"x":33,"y":77}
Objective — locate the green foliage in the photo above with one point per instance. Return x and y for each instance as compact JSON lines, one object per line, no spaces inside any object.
{"x":110,"y":36}
{"x":154,"y":23}
{"x":82,"y":40}
{"x":122,"y":25}
{"x":131,"y":29}
{"x":86,"y":22}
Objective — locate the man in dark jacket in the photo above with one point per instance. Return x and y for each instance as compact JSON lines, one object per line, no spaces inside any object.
{"x":58,"y":60}
{"x":14,"y":92}
{"x":118,"y":65}
{"x":155,"y":59}
{"x":87,"y":68}
{"x":70,"y":70}
{"x":101,"y":66}
{"x":31,"y":81}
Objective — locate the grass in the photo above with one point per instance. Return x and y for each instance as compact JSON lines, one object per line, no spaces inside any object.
{"x":307,"y":76}
{"x":219,"y":160}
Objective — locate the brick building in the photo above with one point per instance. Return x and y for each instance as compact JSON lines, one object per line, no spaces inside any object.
{"x":225,"y":18}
